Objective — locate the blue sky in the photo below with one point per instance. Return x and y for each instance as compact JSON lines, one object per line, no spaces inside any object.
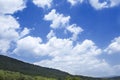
{"x":77,"y":36}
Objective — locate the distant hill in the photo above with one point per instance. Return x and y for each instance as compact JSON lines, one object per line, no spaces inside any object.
{"x":14,"y":65}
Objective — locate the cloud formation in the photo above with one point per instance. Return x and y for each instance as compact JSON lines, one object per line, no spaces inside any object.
{"x":114,"y":46}
{"x":58,"y":20}
{"x":9,"y":27}
{"x":11,"y":6}
{"x":74,"y":2}
{"x":97,"y":4}
{"x":76,"y":30}
{"x":43,"y":3}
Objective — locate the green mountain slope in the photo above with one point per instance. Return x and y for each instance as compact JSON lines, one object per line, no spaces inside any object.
{"x":9,"y":75}
{"x":7,"y":63}
{"x":13,"y":65}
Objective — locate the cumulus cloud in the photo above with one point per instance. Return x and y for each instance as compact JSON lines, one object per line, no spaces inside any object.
{"x":105,"y":4}
{"x":9,"y":26}
{"x":73,"y":2}
{"x":11,"y":6}
{"x":79,"y":59}
{"x":50,"y":34}
{"x":96,"y":4}
{"x":4,"y":46}
{"x":58,"y":20}
{"x":75,"y":30}
{"x":114,"y":46}
{"x":8,"y":32}
{"x":43,"y":3}
{"x":28,"y":46}
{"x":76,"y":59}
{"x":24,"y":32}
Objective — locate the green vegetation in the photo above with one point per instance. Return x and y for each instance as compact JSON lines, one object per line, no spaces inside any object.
{"x":12,"y":69}
{"x":8,"y":75}
{"x":10,"y":64}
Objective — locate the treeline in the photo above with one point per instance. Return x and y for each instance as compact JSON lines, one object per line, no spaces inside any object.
{"x":9,"y":75}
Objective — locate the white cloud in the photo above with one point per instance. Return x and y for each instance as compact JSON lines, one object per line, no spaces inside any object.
{"x":4,"y":46}
{"x":8,"y":27}
{"x":11,"y":6}
{"x":75,"y":30}
{"x":74,"y":2}
{"x":97,"y":4}
{"x":8,"y":24}
{"x":61,"y":21}
{"x":9,"y":32}
{"x":24,"y":32}
{"x":43,"y":3}
{"x":114,"y":3}
{"x":78,"y":59}
{"x":50,"y":34}
{"x":105,"y":4}
{"x":28,"y":46}
{"x":79,"y":66}
{"x":58,"y":20}
{"x":114,"y":46}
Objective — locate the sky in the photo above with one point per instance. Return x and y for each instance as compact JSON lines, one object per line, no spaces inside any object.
{"x":81,"y":37}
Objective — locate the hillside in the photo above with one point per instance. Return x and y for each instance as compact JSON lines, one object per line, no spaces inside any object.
{"x":7,"y":63}
{"x":14,"y":65}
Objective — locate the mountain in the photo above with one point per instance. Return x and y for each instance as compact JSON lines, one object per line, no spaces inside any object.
{"x":10,"y":64}
{"x":14,"y":65}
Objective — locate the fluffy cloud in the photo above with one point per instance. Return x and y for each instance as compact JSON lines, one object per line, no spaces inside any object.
{"x":76,"y":59}
{"x":61,"y":21}
{"x":11,"y":6}
{"x":73,"y":2}
{"x":28,"y":46}
{"x":58,"y":20}
{"x":9,"y":27}
{"x":24,"y":32}
{"x":43,"y":3}
{"x":114,"y":47}
{"x":97,"y":4}
{"x":105,"y":4}
{"x":80,"y":58}
{"x":9,"y":33}
{"x":50,"y":34}
{"x":75,"y":30}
